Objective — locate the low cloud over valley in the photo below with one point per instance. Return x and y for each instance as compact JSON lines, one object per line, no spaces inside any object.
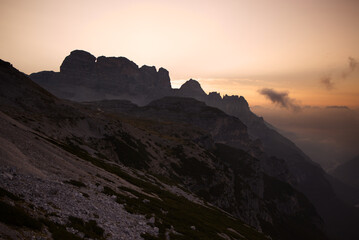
{"x":281,"y":99}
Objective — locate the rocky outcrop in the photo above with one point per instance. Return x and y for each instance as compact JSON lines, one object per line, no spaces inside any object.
{"x":139,"y":167}
{"x":240,"y":188}
{"x":223,"y":128}
{"x":302,"y":173}
{"x":191,"y":89}
{"x":83,"y":77}
{"x":78,"y":62}
{"x":119,"y":78}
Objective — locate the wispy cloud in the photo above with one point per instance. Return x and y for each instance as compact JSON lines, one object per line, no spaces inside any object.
{"x":327,"y":82}
{"x":281,"y":99}
{"x":338,"y":107}
{"x":352,"y":66}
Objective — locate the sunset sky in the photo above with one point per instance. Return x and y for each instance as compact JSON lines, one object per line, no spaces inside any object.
{"x":231,"y":46}
{"x":306,"y":51}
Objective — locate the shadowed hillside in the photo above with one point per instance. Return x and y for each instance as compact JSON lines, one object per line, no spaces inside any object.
{"x":78,"y":170}
{"x":279,"y":157}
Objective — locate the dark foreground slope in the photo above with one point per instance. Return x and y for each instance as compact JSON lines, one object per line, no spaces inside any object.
{"x":120,"y":79}
{"x":74,"y":171}
{"x":333,"y":200}
{"x":251,"y":184}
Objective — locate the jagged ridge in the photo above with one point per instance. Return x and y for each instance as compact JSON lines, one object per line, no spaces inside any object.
{"x":102,"y":144}
{"x":302,"y":173}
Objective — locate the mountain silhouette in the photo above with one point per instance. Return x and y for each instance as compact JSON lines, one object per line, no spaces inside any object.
{"x":84,"y":78}
{"x":101,"y":171}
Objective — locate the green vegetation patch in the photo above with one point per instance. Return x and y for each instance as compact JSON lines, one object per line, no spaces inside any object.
{"x":172,"y":210}
{"x":5,"y":193}
{"x":104,"y":178}
{"x":190,"y":166}
{"x":240,"y":161}
{"x":168,"y":209}
{"x":59,"y":232}
{"x":75,"y":183}
{"x":90,"y":228}
{"x":130,"y":151}
{"x":16,"y":216}
{"x":108,"y":191}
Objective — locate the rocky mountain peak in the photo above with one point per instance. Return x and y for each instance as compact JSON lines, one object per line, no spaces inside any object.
{"x":215,"y":96}
{"x":78,"y":60}
{"x":192,"y":88}
{"x":235,"y":103}
{"x":229,"y":104}
{"x":115,"y":63}
{"x":235,"y":99}
{"x":4,"y":64}
{"x":164,"y":78}
{"x":148,"y":69}
{"x":82,"y":77}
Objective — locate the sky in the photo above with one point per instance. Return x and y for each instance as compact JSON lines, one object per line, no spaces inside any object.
{"x":286,"y":55}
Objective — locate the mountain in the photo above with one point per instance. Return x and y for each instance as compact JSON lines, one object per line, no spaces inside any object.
{"x":191,"y":89}
{"x":83,"y":77}
{"x":348,"y":172}
{"x":278,"y":157}
{"x":189,"y":111}
{"x":329,"y":196}
{"x":72,"y":171}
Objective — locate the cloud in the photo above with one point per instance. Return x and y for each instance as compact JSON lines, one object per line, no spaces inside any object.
{"x":353,"y":63}
{"x":327,"y":82}
{"x":352,"y":66}
{"x":281,"y":99}
{"x":338,"y":107}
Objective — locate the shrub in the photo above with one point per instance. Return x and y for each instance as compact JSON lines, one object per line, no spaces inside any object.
{"x":18,"y":217}
{"x":75,"y":183}
{"x":90,"y":228}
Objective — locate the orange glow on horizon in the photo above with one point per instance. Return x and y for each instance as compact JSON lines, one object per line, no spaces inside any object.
{"x":230,"y":46}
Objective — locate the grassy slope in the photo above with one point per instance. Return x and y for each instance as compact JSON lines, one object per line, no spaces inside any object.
{"x":169,"y":209}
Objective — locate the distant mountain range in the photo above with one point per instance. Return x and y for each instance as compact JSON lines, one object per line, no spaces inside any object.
{"x":182,"y":158}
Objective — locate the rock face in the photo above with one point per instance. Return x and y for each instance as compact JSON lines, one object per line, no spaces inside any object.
{"x":119,"y":78}
{"x":232,"y":105}
{"x":303,"y":174}
{"x":82,"y":77}
{"x":222,"y":127}
{"x":245,"y":186}
{"x":119,"y":168}
{"x":192,"y":89}
{"x":78,"y":62}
